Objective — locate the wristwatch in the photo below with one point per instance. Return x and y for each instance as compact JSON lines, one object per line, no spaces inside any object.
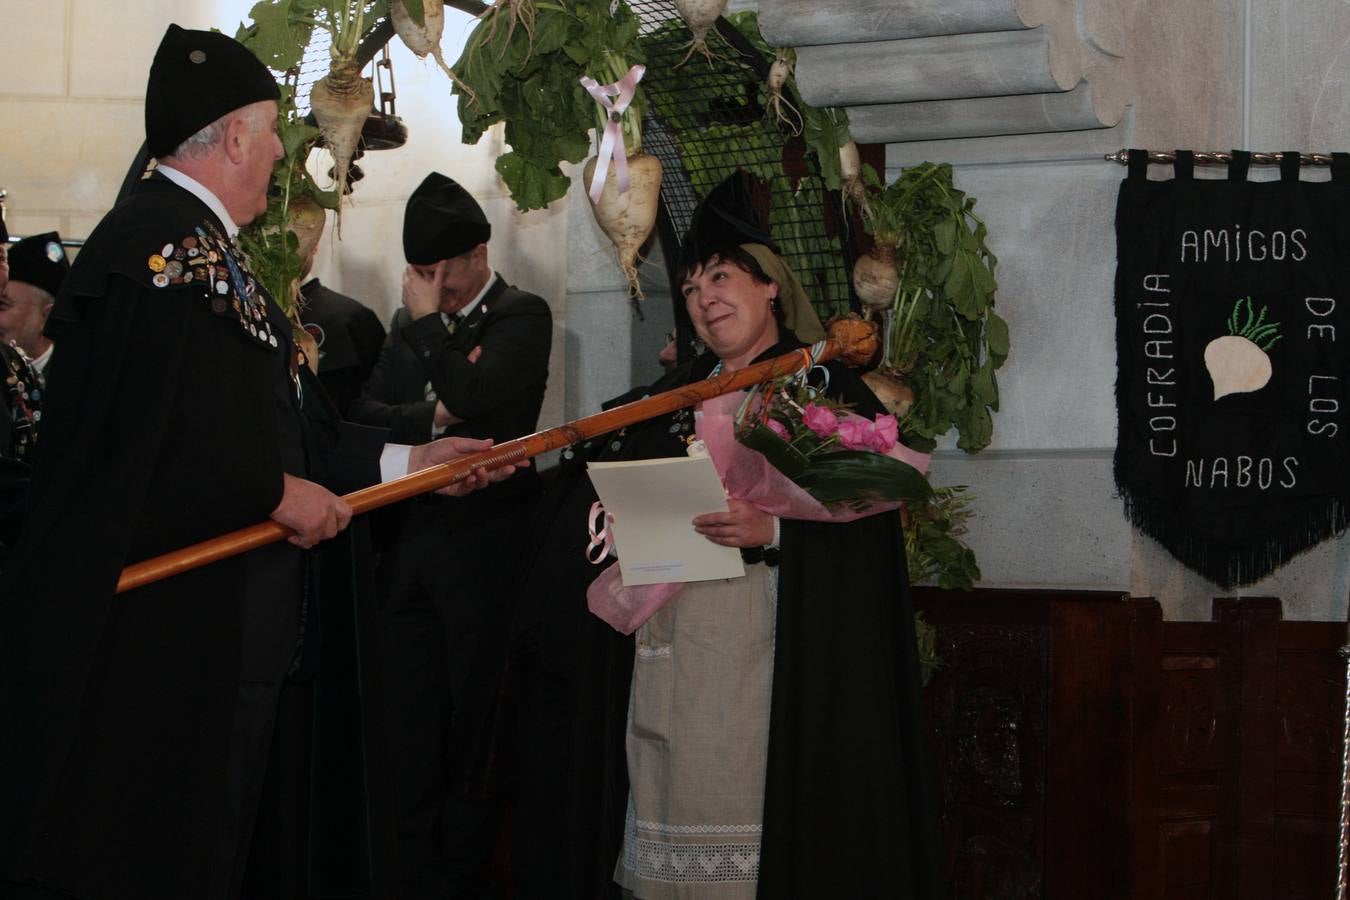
{"x":767,"y":555}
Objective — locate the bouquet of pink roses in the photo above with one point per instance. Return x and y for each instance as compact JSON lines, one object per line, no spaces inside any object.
{"x":793,"y":454}
{"x":834,"y":454}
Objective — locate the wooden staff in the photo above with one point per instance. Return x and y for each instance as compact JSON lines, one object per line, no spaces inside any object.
{"x":856,"y":345}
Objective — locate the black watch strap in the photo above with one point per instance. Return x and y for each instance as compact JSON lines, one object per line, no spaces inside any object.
{"x":767,"y":555}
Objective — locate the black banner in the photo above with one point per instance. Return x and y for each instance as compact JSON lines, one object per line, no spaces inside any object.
{"x":1232,"y":335}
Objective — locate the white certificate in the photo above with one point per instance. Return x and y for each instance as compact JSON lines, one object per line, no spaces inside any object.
{"x":654,"y":502}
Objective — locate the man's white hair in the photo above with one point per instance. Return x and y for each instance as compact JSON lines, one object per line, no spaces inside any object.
{"x":208,"y":138}
{"x":39,"y":297}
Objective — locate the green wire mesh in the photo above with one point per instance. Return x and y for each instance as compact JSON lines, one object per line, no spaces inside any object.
{"x":705,"y":120}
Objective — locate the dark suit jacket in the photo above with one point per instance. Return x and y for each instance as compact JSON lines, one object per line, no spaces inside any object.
{"x":349,"y":336}
{"x":498,"y":397}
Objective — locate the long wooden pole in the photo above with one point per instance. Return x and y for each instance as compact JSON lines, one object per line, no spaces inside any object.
{"x":854,"y":350}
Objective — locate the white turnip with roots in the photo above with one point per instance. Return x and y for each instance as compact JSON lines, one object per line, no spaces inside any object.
{"x":305,"y":218}
{"x":876,"y":279}
{"x":850,"y":173}
{"x":700,"y":16}
{"x":518,"y":13}
{"x":341,"y":102}
{"x":891,"y":389}
{"x":425,"y":37}
{"x":776,"y":105}
{"x":627,"y":217}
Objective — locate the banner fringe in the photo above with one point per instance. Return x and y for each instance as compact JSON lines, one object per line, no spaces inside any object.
{"x":1235,"y":564}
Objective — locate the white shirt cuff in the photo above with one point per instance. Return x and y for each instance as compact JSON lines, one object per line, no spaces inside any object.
{"x":777,"y":531}
{"x":394,"y":461}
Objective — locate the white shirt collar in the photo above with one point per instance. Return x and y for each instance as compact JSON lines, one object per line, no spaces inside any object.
{"x":202,"y":193}
{"x":40,"y":364}
{"x":468,"y":307}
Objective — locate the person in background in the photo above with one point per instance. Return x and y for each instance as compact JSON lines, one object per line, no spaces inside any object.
{"x":466,"y":355}
{"x":20,"y":409}
{"x":37,"y":269}
{"x":346,"y":332}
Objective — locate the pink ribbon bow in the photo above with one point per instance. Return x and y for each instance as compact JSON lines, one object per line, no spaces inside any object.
{"x":597,"y":521}
{"x":611,"y":145}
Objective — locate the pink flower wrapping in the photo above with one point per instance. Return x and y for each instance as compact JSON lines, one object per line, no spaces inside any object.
{"x":746,"y":475}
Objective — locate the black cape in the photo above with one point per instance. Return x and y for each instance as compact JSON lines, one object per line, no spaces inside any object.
{"x":167,"y":421}
{"x":20,"y":409}
{"x":850,"y":801}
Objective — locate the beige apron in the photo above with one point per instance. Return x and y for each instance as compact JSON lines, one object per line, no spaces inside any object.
{"x":698,"y":734}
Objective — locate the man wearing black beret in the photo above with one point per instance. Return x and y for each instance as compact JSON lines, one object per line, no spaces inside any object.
{"x":137,"y":728}
{"x":37,"y":268}
{"x":466,"y":355}
{"x":20,"y":408}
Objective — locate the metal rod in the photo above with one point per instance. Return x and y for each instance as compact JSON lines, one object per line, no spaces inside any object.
{"x":1343,"y":845}
{"x":1220,"y":158}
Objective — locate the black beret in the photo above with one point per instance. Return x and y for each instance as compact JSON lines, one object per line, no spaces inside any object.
{"x":726,"y":218}
{"x":39,"y":260}
{"x":442,"y":220}
{"x":197,"y":77}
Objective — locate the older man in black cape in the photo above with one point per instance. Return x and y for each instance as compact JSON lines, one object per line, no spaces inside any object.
{"x":138,"y":729}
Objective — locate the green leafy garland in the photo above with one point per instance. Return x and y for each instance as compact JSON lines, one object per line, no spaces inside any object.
{"x":528,"y":78}
{"x":710,"y":128}
{"x":945,"y":336}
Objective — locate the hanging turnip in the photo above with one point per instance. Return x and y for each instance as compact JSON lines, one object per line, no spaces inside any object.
{"x":876,"y":278}
{"x":425,"y":37}
{"x":627,"y":218}
{"x":892,"y":390}
{"x":700,"y":16}
{"x":776,"y":103}
{"x":341,"y":102}
{"x":305,"y":218}
{"x":850,"y":172}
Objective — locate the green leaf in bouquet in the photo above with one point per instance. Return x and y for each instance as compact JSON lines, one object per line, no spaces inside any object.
{"x":848,"y":476}
{"x":781,"y":455}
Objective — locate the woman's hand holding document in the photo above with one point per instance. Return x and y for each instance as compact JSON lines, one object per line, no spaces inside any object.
{"x":653,"y":503}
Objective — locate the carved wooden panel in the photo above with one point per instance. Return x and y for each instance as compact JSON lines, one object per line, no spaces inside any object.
{"x":1030,"y":721}
{"x":1086,"y":748}
{"x":991,"y":756}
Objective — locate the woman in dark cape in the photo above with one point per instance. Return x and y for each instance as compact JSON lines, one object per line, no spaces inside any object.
{"x":848,"y":801}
